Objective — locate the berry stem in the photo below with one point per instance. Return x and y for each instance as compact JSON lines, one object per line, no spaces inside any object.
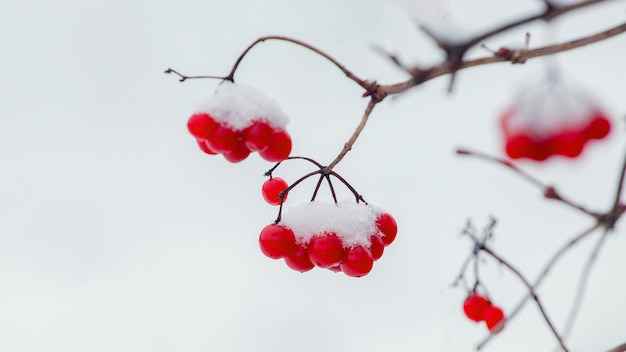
{"x":356,"y":194}
{"x":332,"y":189}
{"x":317,"y":187}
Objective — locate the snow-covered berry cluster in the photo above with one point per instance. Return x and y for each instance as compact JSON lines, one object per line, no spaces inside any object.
{"x":345,"y":236}
{"x":478,"y":308}
{"x":550,"y":120}
{"x":238,"y":120}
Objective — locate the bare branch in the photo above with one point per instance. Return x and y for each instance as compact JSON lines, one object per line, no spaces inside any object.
{"x":183,"y":78}
{"x":582,"y":284}
{"x":364,"y":84}
{"x":544,"y":273}
{"x":532,"y":293}
{"x":355,"y":135}
{"x":620,"y":186}
{"x":549,"y":192}
{"x":421,"y":75}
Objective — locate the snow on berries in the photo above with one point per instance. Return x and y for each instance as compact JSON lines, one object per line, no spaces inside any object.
{"x":344,"y":236}
{"x":238,"y":120}
{"x":549,"y":120}
{"x":479,"y":309}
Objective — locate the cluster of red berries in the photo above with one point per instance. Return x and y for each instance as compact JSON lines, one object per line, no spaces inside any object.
{"x":327,"y":249}
{"x":238,"y":120}
{"x":550,"y":120}
{"x":478,"y":308}
{"x":569,"y":141}
{"x":219,"y":138}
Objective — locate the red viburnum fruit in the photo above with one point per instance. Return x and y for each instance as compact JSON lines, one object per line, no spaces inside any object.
{"x":552,"y":120}
{"x":475,"y":307}
{"x":599,"y":127}
{"x":377,"y":246}
{"x":299,"y":259}
{"x":357,"y":261}
{"x":387,"y":226}
{"x":223,"y":139}
{"x":335,"y":268}
{"x":277,"y":241}
{"x":201,"y":125}
{"x":494,"y":318}
{"x":271,"y":190}
{"x":257,"y":136}
{"x":205,"y":147}
{"x":279,"y":147}
{"x":239,"y":153}
{"x":325,"y":250}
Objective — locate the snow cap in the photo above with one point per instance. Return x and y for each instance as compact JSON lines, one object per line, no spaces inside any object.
{"x":353,"y":223}
{"x":238,"y":105}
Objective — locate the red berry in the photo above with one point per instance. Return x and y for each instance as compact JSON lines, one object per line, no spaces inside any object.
{"x":271,"y":190}
{"x":205,"y":147}
{"x":257,"y":136}
{"x":325,"y":250}
{"x":357,"y":261}
{"x":238,"y":154}
{"x":569,"y":143}
{"x":599,"y":127}
{"x":494,"y":318}
{"x":201,"y":125}
{"x":475,"y":307}
{"x":299,"y":259}
{"x":277,"y":241}
{"x":223,"y":139}
{"x":518,"y":146}
{"x":335,"y":268}
{"x":279,"y":147}
{"x":387,"y":225}
{"x":377,"y":246}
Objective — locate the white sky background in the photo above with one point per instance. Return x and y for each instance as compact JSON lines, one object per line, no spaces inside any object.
{"x":118,"y":234}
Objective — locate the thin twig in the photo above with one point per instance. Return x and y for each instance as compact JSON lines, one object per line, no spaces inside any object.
{"x":620,"y":185}
{"x":183,"y":78}
{"x":364,"y":84}
{"x":355,"y":135}
{"x":549,"y":192}
{"x":532,"y":293}
{"x":544,"y":273}
{"x":582,"y":284}
{"x":421,"y":75}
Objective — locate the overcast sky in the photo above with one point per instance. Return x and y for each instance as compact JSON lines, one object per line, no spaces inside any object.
{"x":118,"y":234}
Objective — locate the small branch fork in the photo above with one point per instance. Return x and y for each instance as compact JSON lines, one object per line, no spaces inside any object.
{"x":324,"y":173}
{"x":606,"y":221}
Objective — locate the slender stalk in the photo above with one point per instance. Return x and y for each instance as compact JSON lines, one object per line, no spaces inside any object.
{"x":532,"y":293}
{"x":355,"y":135}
